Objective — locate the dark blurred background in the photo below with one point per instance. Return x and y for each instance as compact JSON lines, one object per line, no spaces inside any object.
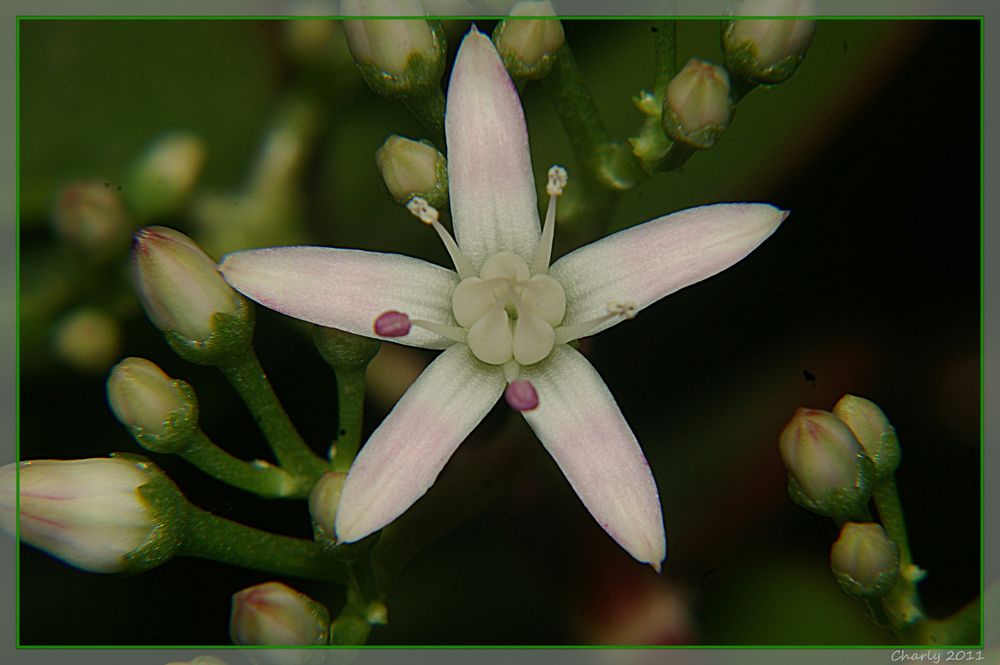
{"x":871,"y":287}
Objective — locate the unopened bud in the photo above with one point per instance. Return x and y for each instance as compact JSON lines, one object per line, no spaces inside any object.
{"x":272,"y":614}
{"x":88,"y":339}
{"x":398,"y":58}
{"x":160,"y":412}
{"x":768,"y":50}
{"x":873,"y":431}
{"x":105,"y":515}
{"x":413,"y":168}
{"x":697,"y":108}
{"x":323,"y":502}
{"x":165,"y":175}
{"x":92,"y":217}
{"x":528,"y":45}
{"x":349,"y":630}
{"x":864,"y":560}
{"x":828,"y":471}
{"x":180,"y":286}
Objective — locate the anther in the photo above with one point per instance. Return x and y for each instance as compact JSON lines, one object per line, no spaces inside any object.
{"x":521,"y":395}
{"x":557,"y":181}
{"x":422,"y":210}
{"x":392,"y":324}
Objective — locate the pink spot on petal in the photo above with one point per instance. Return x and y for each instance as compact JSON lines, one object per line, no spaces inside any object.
{"x":521,"y":396}
{"x":392,"y":324}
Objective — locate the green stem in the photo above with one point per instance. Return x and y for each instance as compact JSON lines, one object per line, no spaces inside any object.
{"x":963,"y":627}
{"x":429,"y":110}
{"x":258,"y":477}
{"x":248,"y":378}
{"x":664,"y":55}
{"x":350,"y":408}
{"x":609,"y":166}
{"x":902,"y":603}
{"x":212,"y":537}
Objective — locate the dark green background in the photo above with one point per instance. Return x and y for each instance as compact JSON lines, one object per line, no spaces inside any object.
{"x":871,"y":286}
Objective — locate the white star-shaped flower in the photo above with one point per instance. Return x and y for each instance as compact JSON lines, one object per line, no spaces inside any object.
{"x":504,"y":316}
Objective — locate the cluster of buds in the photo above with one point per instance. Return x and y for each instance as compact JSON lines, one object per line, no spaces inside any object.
{"x":834,"y":461}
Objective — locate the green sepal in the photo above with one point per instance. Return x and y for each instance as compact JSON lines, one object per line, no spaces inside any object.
{"x":349,"y":630}
{"x":180,"y":427}
{"x":170,"y":510}
{"x":882,"y":584}
{"x":423,"y":71}
{"x":840,"y":504}
{"x":232,"y":332}
{"x":517,"y":68}
{"x":343,"y":350}
{"x":742,"y":62}
{"x":702,"y":139}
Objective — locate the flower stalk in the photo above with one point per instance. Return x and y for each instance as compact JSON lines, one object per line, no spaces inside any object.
{"x":212,"y":537}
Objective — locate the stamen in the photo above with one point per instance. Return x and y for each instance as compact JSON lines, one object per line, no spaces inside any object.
{"x":454,"y":333}
{"x":428,"y":214}
{"x":392,"y":324}
{"x":521,"y":396}
{"x":543,"y":253}
{"x":625,"y":310}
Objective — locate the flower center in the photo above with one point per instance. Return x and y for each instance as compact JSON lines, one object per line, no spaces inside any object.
{"x":508,"y":312}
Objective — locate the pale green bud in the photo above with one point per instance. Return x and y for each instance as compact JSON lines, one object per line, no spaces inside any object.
{"x":768,"y":50}
{"x":180,"y":286}
{"x":413,"y":168}
{"x":398,"y":58}
{"x":88,"y":339}
{"x":92,"y":217}
{"x":272,"y":614}
{"x":828,"y":471}
{"x":873,"y":431}
{"x":323,"y":502}
{"x":864,"y":560}
{"x":165,"y":175}
{"x":349,"y":630}
{"x":105,"y":515}
{"x":160,"y":412}
{"x":696,"y":107}
{"x":529,"y":46}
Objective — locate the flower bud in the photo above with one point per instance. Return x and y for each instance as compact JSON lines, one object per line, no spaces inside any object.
{"x":165,"y":175}
{"x":105,"y":515}
{"x":413,"y":168}
{"x":397,"y":57}
{"x":91,"y":216}
{"x":323,"y":501}
{"x":88,"y":339}
{"x":768,"y":50}
{"x":529,"y":46}
{"x":864,"y":560}
{"x":349,"y":630}
{"x":696,"y":107}
{"x":161,"y":412}
{"x":179,"y":284}
{"x":873,"y":431}
{"x":828,"y":471}
{"x":272,"y":614}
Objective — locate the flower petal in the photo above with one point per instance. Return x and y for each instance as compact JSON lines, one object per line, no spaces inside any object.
{"x":646,"y":262}
{"x":345,"y":289}
{"x":492,"y":188}
{"x":406,"y":453}
{"x":580,"y":425}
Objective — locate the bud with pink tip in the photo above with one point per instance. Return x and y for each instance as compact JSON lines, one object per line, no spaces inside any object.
{"x":864,"y":560}
{"x":272,"y":614}
{"x":768,"y":50}
{"x":697,"y":108}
